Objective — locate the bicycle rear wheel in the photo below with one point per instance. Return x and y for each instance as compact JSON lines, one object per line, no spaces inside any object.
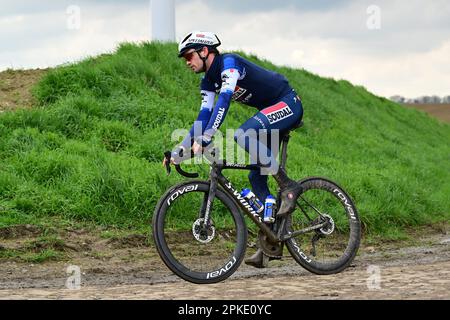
{"x":331,"y":248}
{"x":193,"y":250}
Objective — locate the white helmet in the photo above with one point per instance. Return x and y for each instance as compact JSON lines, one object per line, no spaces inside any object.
{"x":198,"y":40}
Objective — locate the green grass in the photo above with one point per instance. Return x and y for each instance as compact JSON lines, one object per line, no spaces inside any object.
{"x":91,"y":150}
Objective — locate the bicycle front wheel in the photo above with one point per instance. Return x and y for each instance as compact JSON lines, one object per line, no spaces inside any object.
{"x":196,"y":250}
{"x":331,"y":248}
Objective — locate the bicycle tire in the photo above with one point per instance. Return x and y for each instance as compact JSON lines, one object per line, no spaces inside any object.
{"x":307,"y":260}
{"x":167,"y":254}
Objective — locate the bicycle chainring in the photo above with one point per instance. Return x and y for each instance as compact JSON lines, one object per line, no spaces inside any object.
{"x":270,"y":249}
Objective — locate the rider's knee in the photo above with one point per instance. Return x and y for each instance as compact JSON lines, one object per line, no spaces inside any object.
{"x":270,"y":169}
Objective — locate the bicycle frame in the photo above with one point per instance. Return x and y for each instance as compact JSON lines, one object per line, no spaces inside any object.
{"x":216,"y":177}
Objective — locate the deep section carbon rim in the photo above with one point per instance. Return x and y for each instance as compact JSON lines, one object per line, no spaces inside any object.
{"x":332,"y":247}
{"x":198,"y":251}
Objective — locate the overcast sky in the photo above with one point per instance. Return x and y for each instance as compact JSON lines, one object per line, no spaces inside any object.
{"x":388,"y":46}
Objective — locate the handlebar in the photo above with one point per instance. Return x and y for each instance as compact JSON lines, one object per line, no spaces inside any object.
{"x":168,"y":155}
{"x":184,"y":173}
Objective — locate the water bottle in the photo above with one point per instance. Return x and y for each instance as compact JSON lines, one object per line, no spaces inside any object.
{"x":269,"y":208}
{"x":254,"y":202}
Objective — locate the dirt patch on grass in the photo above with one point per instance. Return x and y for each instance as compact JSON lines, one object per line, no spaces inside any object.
{"x":15,"y":88}
{"x":130,"y":241}
{"x":19,"y":231}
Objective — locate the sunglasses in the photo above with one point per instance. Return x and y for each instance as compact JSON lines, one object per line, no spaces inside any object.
{"x":188,"y":56}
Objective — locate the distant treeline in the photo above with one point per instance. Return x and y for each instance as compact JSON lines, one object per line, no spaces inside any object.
{"x":422,"y":100}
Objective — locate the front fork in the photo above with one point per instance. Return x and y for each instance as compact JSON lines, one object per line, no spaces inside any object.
{"x":208,"y":198}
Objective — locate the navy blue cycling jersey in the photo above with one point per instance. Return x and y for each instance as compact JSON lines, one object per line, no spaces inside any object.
{"x":256,"y":86}
{"x":234,"y":78}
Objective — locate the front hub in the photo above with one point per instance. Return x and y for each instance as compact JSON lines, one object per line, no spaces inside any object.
{"x":203,"y":233}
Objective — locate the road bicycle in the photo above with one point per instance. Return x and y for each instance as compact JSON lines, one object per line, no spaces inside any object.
{"x":201,"y":235}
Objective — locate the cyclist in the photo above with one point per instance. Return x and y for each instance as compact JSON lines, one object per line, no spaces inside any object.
{"x":232,"y":77}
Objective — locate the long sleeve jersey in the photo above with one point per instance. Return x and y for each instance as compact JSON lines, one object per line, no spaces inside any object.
{"x":233,"y":78}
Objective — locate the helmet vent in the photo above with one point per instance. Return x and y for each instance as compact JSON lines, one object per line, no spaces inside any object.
{"x":187,"y":37}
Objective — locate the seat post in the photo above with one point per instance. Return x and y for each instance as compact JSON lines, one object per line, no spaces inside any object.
{"x":284,"y":142}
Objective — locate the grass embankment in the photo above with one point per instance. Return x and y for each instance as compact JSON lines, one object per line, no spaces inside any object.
{"x":82,"y":153}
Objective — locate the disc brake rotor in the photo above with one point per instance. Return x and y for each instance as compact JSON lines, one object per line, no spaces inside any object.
{"x":329,"y":227}
{"x":202,"y":233}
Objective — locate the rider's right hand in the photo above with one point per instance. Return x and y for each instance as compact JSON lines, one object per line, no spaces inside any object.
{"x":176,"y":156}
{"x":165,"y":161}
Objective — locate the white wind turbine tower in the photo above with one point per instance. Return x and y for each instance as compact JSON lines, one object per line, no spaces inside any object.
{"x":163,"y":20}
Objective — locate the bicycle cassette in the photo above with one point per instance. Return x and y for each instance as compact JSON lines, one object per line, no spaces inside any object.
{"x":329,"y":227}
